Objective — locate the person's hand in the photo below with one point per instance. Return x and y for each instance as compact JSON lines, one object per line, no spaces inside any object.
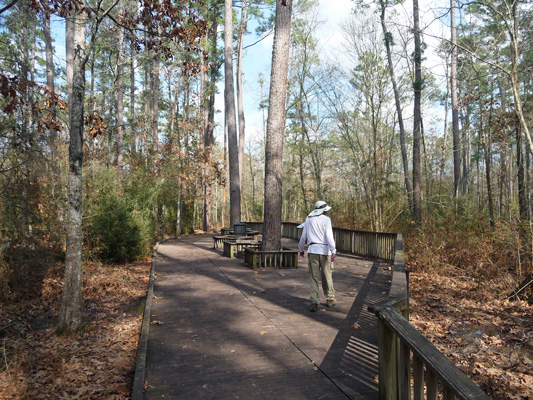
{"x":333,"y":257}
{"x":301,"y":254}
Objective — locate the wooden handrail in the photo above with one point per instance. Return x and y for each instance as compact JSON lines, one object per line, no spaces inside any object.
{"x":398,"y":339}
{"x":363,"y":243}
{"x":455,"y":382}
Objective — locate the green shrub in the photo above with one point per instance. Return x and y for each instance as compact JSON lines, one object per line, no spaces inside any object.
{"x":113,"y":230}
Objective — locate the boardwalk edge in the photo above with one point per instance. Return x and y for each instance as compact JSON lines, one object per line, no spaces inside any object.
{"x":137,"y":392}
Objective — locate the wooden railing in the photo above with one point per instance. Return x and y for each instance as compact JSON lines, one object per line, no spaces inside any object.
{"x":256,"y":258}
{"x":408,"y":362}
{"x":363,"y":243}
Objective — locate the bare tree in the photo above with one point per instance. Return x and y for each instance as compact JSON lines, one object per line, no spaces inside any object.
{"x":388,"y":42}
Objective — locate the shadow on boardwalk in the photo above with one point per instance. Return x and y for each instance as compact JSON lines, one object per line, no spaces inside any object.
{"x":220,"y":330}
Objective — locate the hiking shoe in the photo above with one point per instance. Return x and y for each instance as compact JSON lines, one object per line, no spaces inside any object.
{"x":331,"y":303}
{"x":314,"y":307}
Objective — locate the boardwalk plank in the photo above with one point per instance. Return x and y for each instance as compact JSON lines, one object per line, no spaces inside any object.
{"x":223,"y":331}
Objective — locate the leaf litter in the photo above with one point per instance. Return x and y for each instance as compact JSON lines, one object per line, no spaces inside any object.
{"x":96,"y":362}
{"x":488,"y":336}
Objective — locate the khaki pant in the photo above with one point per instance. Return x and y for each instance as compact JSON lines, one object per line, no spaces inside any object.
{"x":320,"y":269}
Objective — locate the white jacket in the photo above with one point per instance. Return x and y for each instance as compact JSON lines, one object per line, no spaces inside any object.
{"x":318,"y":233}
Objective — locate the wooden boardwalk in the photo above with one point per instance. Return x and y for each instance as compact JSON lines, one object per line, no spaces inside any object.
{"x":220,"y":330}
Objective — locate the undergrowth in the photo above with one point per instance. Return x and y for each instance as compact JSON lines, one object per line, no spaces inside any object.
{"x":468,"y":245}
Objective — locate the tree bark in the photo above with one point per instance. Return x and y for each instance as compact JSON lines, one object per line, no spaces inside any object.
{"x":229,"y":98}
{"x":488,"y":164}
{"x":240,"y":107}
{"x":52,"y":134}
{"x":445,"y":134}
{"x":119,"y":94}
{"x":209,"y":106}
{"x":520,"y":173}
{"x":417,"y":171}
{"x":276,"y":126}
{"x":133,"y":116}
{"x":466,"y":149}
{"x":70,"y":316}
{"x":154,"y":106}
{"x":455,"y":106}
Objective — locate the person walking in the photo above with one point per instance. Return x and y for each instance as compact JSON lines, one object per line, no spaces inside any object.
{"x":318,"y":234}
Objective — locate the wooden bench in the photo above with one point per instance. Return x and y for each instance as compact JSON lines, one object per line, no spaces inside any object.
{"x":285,"y":258}
{"x":218,"y":241}
{"x":231,"y":232}
{"x":236,"y":248}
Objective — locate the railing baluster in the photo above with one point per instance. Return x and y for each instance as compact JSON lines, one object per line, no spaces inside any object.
{"x":432,"y":385}
{"x":404,"y":371}
{"x":448,"y":394}
{"x":387,"y":363}
{"x":418,"y":378}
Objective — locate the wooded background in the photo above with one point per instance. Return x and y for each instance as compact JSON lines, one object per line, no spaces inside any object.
{"x":134,"y":104}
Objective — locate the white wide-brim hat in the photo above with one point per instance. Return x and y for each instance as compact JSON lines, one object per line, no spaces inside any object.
{"x":320,"y":208}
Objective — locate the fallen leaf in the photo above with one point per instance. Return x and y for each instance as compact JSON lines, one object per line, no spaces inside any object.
{"x":156,"y":323}
{"x":356,"y":325}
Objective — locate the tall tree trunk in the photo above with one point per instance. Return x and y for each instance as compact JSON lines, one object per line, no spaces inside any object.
{"x":466,"y":148}
{"x":93,"y":79}
{"x":154,"y":106}
{"x":133,"y":116}
{"x":223,"y":216}
{"x":276,"y":126}
{"x":388,"y":39}
{"x":69,"y":54}
{"x":49,"y":55}
{"x":229,"y":98}
{"x":520,"y":174}
{"x":210,"y":125}
{"x":417,"y":170}
{"x":52,"y":134}
{"x":240,"y":106}
{"x":446,"y":108}
{"x":455,"y":106}
{"x":70,"y":316}
{"x":488,"y":163}
{"x":512,"y":29}
{"x":120,"y":93}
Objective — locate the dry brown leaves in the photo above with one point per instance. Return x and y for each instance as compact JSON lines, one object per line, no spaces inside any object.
{"x":97,"y":362}
{"x":489,"y":337}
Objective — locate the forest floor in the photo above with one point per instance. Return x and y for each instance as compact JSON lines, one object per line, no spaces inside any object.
{"x":98,"y":362}
{"x":489,"y":338}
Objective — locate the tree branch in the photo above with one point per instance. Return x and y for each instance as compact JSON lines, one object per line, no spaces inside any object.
{"x":8,"y":6}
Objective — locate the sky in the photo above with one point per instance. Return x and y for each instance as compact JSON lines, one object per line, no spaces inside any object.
{"x":333,"y":14}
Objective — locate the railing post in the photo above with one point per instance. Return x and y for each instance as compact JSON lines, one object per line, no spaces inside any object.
{"x":448,"y":394}
{"x":388,"y":374}
{"x":418,"y":378}
{"x":404,"y":371}
{"x":432,"y":385}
